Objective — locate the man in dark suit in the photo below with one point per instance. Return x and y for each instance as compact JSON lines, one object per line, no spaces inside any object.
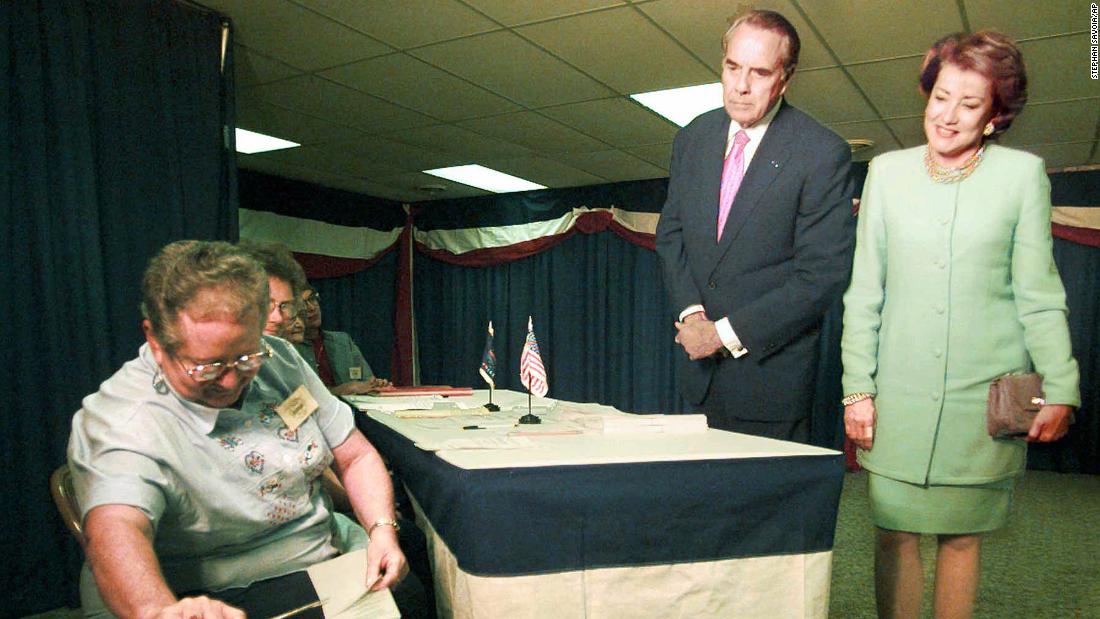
{"x":755,"y":239}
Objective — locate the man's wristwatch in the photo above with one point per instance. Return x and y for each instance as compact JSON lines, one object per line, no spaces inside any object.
{"x":383,"y":523}
{"x":852,"y":398}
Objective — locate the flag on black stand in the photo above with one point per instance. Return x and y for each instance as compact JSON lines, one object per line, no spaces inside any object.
{"x":488,"y":368}
{"x":531,"y":371}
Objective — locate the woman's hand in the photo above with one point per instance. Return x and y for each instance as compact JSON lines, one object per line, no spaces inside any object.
{"x":859,"y":422}
{"x":386,"y":565}
{"x":1050,"y":424}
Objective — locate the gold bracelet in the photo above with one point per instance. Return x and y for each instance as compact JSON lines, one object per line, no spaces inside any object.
{"x":383,"y":523}
{"x":852,"y":398}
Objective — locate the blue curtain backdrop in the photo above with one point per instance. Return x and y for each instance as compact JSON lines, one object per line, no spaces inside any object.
{"x":114,"y":119}
{"x":362,"y":305}
{"x":600,"y":312}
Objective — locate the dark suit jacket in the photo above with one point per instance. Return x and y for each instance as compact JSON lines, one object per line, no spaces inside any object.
{"x":785,"y":256}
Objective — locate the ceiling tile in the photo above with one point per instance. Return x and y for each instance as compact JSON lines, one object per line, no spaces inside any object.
{"x":613,"y":165}
{"x":545,"y":171}
{"x":252,"y":68}
{"x":618,"y":122}
{"x":409,"y":187}
{"x":700,"y":24}
{"x":1058,"y":68}
{"x":397,"y":155}
{"x":267,"y":165}
{"x":659,"y":155}
{"x":334,"y":159}
{"x":891,"y":85}
{"x":872,"y":29}
{"x":829,"y":96}
{"x":533,"y":131}
{"x":257,"y":115}
{"x":622,"y":49}
{"x":340,"y":104}
{"x":909,"y":130}
{"x":1023,"y":20}
{"x":511,"y":13}
{"x":872,"y":130}
{"x":290,"y":33}
{"x":514,"y":68}
{"x":474,"y":147}
{"x":420,"y":86}
{"x":1062,"y":155}
{"x":408,"y":23}
{"x":1055,"y":122}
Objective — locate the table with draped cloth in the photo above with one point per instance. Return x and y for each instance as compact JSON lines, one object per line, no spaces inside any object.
{"x":595,"y":524}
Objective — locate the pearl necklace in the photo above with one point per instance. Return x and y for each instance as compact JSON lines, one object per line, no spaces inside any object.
{"x":943,"y":174}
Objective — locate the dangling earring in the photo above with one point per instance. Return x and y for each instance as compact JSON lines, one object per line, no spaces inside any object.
{"x":159,"y":384}
{"x":988,"y":131}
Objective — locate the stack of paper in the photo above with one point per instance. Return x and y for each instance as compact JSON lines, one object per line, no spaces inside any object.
{"x":389,"y":405}
{"x":484,"y":442}
{"x":656,"y":424}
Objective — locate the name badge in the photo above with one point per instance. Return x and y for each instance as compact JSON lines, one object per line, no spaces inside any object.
{"x":296,"y":408}
{"x":356,"y":373}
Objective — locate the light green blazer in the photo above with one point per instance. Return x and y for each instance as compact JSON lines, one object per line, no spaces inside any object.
{"x":952,"y":286}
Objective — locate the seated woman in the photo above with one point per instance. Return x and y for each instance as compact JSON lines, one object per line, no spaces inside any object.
{"x":196,"y":465}
{"x":333,"y":354}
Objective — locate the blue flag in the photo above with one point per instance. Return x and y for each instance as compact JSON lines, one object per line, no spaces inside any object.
{"x":488,"y":368}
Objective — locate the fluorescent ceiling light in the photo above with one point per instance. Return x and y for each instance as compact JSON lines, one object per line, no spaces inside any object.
{"x":681,"y":105}
{"x":484,"y":178}
{"x":249,"y":142}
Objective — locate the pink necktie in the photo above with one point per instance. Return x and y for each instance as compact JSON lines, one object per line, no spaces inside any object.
{"x":732,"y":173}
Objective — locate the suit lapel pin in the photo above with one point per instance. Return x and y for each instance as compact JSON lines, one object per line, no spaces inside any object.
{"x":775,"y":164}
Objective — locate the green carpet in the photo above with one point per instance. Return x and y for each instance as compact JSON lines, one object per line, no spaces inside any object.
{"x":1044,"y":564}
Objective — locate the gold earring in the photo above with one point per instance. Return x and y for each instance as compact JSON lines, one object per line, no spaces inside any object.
{"x":988,"y":131}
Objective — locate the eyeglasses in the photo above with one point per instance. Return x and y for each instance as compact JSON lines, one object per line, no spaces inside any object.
{"x":206,"y":372}
{"x":314,"y":299}
{"x":288,"y":309}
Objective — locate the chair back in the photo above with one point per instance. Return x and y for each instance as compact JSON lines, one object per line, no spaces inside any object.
{"x":61,"y":487}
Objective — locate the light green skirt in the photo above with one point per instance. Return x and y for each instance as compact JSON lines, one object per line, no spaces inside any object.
{"x":951,"y":510}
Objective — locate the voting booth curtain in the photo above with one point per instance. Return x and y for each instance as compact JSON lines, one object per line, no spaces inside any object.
{"x":113,"y":117}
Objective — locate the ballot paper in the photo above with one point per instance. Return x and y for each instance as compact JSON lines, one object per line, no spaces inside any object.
{"x":440,"y":412}
{"x":653,"y":424}
{"x":342,"y":588}
{"x":481,"y":442}
{"x":389,"y":405}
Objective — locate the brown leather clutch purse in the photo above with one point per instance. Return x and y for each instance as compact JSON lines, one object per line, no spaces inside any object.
{"x":1014,"y":400}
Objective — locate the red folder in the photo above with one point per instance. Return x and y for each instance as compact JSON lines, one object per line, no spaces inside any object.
{"x":423,"y":390}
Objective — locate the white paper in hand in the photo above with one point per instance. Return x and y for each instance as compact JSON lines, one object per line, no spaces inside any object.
{"x":341,"y":585}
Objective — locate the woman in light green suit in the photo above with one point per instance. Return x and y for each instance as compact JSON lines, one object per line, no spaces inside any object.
{"x":953,"y":285}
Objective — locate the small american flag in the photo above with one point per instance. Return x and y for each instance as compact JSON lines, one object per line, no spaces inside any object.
{"x":488,"y":367}
{"x":531,"y":371}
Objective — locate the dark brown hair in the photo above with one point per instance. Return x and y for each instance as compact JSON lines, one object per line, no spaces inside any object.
{"x":279,"y":263}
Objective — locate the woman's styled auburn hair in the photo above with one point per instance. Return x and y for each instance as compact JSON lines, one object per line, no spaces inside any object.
{"x":990,"y":54}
